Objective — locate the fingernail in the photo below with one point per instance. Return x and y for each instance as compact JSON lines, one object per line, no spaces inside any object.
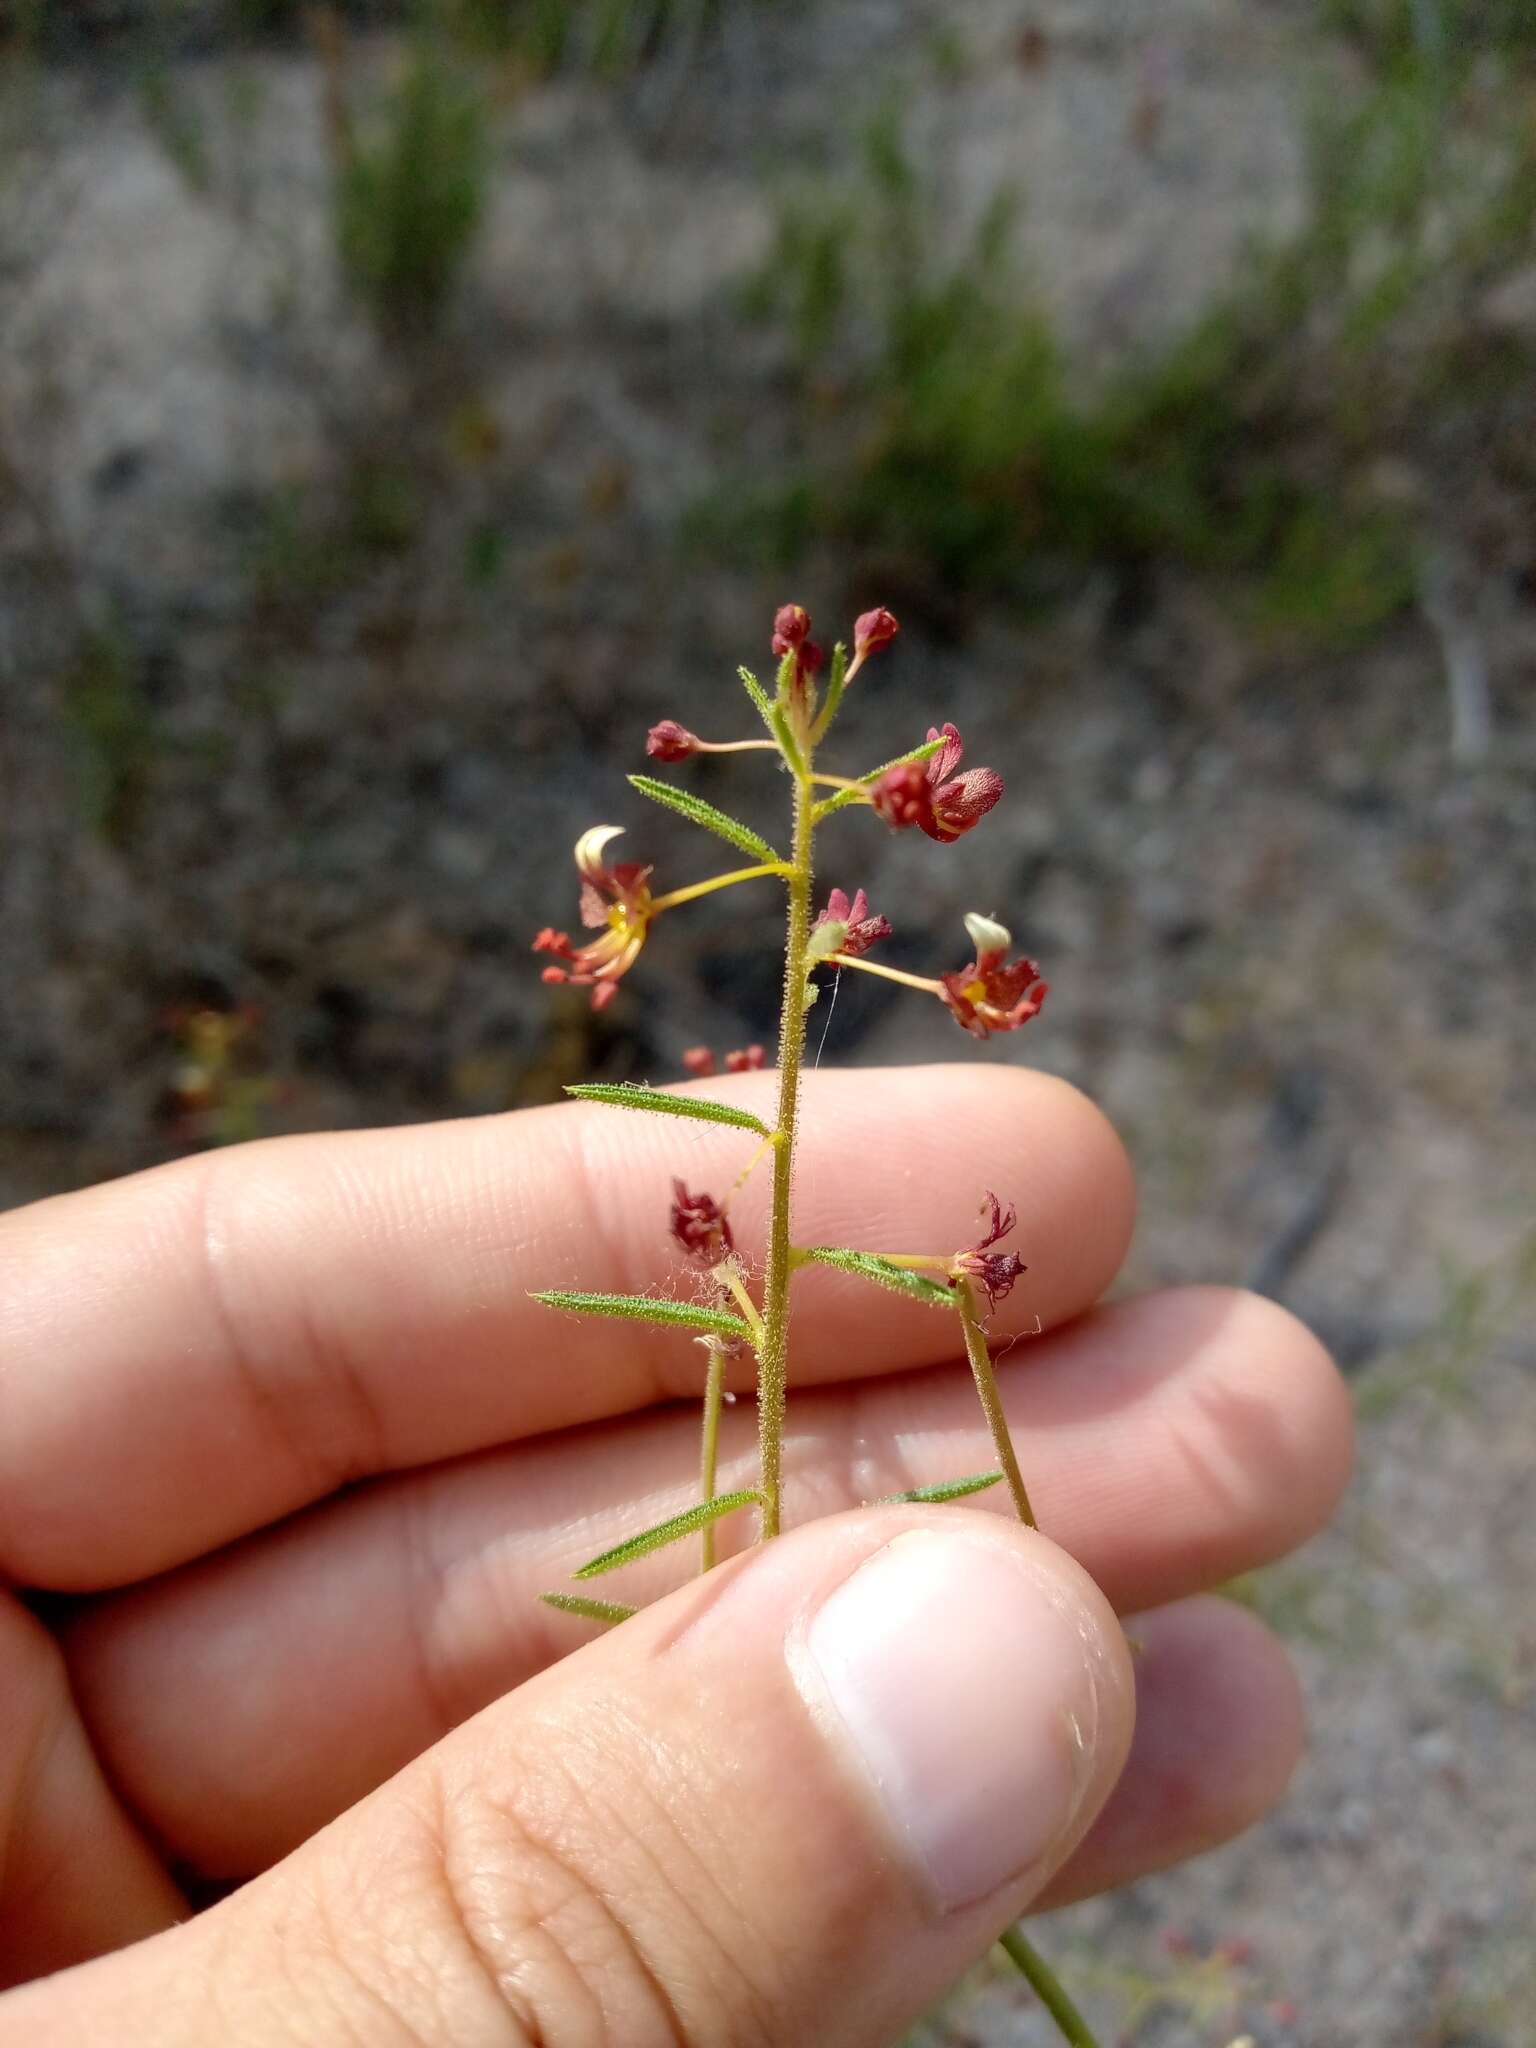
{"x":964,"y":1680}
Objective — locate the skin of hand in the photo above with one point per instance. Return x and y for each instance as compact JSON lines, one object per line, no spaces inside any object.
{"x":287,"y":1453}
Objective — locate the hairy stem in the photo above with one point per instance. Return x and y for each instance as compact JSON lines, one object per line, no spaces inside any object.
{"x":1045,"y":1984}
{"x":991,"y":1401}
{"x":710,"y":1449}
{"x":773,"y":1352}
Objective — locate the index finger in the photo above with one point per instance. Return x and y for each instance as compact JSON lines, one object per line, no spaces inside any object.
{"x":189,"y":1354}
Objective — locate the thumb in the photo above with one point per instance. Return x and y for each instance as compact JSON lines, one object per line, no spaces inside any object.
{"x":791,"y":1802}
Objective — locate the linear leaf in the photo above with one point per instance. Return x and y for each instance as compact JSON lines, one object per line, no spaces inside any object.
{"x":589,"y":1610}
{"x":629,"y":1095}
{"x":778,"y":725}
{"x":946,"y":1489}
{"x":698,"y":812}
{"x":686,"y":1524}
{"x":844,"y":797}
{"x":647,"y":1308}
{"x":870,"y":1266}
{"x":758,"y":694}
{"x":836,"y":676}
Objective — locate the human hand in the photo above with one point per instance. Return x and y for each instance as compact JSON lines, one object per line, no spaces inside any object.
{"x":286,"y":1454}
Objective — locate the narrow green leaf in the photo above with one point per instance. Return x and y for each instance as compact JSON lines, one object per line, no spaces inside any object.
{"x":870,"y":1266}
{"x":925,"y":752}
{"x":844,"y":797}
{"x":788,"y":669}
{"x":698,"y":812}
{"x":836,"y":675}
{"x":647,"y":1308}
{"x":589,"y":1610}
{"x":629,"y":1095}
{"x":688,"y":1523}
{"x":758,"y":694}
{"x":788,"y":747}
{"x":946,"y":1489}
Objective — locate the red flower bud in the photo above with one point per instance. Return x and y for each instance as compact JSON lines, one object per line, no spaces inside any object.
{"x":699,"y":1226}
{"x":873,"y":629}
{"x":791,"y":623}
{"x":699,"y":1061}
{"x":670,"y":741}
{"x":746,"y":1061}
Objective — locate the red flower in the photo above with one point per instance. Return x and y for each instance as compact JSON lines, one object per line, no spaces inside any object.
{"x":861,"y":930}
{"x":746,"y":1061}
{"x":670,"y":741}
{"x":873,"y":629}
{"x":699,"y":1226}
{"x":931,"y":796}
{"x":993,"y":993}
{"x":994,"y":1271}
{"x":614,"y":900}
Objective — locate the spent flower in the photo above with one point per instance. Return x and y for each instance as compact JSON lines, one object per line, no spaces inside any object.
{"x":993,"y":1271}
{"x":700,"y":1228}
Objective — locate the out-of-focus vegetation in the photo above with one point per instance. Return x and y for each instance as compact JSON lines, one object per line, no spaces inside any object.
{"x":951,"y":434}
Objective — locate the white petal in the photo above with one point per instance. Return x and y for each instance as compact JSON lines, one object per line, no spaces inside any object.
{"x":589,"y":850}
{"x":987,"y":935}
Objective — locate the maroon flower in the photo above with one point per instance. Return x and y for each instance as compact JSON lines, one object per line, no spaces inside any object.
{"x":873,"y":629}
{"x":699,"y":1226}
{"x":995,"y":1272}
{"x":670,"y":741}
{"x":616,"y":902}
{"x":930,"y":795}
{"x":860,"y":928}
{"x":994,"y":993}
{"x":746,"y":1061}
{"x":791,"y":623}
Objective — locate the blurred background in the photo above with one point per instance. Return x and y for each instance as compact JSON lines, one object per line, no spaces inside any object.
{"x":402,"y":407}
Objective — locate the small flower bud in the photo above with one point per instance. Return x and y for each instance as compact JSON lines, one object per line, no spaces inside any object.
{"x":745,"y":1061}
{"x":873,"y":629}
{"x":670,"y":741}
{"x":699,"y":1061}
{"x":791,"y":623}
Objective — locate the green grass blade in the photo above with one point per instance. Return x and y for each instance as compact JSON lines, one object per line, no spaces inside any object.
{"x":647,"y":1308}
{"x":628,"y":1095}
{"x":869,"y":1266}
{"x":697,"y":812}
{"x":610,"y":1611}
{"x":946,"y":1489}
{"x":688,"y":1523}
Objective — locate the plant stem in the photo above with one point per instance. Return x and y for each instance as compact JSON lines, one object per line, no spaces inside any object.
{"x":773,"y":1352}
{"x":991,"y":1402}
{"x":1045,"y":1984}
{"x":709,"y":1453}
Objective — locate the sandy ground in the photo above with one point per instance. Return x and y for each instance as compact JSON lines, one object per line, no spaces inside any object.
{"x":1290,"y":946}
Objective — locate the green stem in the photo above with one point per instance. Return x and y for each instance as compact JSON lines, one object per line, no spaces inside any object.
{"x":991,"y":1402}
{"x":773,"y":1352}
{"x":1045,"y":1984}
{"x":696,"y":889}
{"x":709,"y":1453}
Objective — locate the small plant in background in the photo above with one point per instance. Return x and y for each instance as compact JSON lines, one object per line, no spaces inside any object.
{"x":219,"y":1092}
{"x":743,"y":1310}
{"x":410,"y":184}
